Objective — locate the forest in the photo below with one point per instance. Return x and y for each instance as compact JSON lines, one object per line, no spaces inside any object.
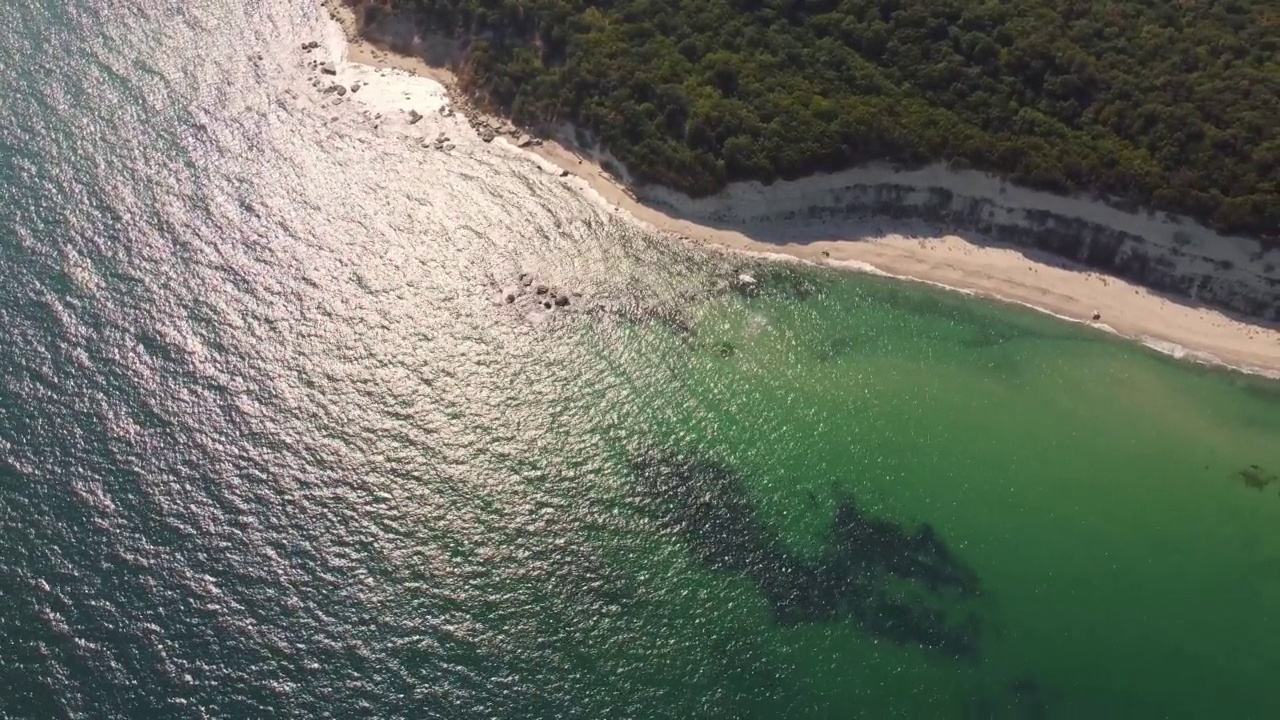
{"x":1164,"y":104}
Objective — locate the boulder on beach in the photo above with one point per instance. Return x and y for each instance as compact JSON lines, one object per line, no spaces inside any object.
{"x":414,"y":117}
{"x":340,"y":90}
{"x":329,"y":69}
{"x":542,"y":289}
{"x":562,"y":300}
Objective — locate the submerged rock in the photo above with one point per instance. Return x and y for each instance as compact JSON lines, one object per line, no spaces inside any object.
{"x":746,"y":285}
{"x":1255,"y":478}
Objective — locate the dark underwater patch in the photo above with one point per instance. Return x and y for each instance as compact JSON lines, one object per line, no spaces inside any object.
{"x":901,"y":584}
{"x":1255,"y":478}
{"x":724,"y":349}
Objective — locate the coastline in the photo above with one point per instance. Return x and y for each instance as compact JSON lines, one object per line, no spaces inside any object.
{"x":1179,"y":328}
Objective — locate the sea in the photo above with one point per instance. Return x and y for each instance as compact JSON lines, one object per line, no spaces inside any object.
{"x":288,"y":430}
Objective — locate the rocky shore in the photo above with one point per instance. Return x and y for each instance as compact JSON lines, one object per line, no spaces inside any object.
{"x":1165,"y":281}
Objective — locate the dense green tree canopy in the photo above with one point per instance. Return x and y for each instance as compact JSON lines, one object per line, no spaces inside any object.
{"x":1173,"y":104}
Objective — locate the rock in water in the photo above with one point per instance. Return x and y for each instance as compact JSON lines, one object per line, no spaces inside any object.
{"x":746,"y":285}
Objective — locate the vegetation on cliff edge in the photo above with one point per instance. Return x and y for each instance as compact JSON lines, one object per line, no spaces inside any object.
{"x":1172,"y":105}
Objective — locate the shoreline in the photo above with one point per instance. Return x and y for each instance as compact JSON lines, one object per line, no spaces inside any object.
{"x":995,"y":272}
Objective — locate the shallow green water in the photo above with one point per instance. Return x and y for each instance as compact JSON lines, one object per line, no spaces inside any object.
{"x":1126,"y":568}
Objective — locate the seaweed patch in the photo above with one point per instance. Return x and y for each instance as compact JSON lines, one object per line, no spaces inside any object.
{"x":900,"y":584}
{"x":1255,"y":478}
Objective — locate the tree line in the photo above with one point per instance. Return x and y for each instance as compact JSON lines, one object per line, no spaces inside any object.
{"x":1165,"y":104}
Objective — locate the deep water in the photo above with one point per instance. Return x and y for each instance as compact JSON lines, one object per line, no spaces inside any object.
{"x":273,"y":444}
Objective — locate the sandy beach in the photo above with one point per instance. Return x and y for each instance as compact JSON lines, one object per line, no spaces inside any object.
{"x":1172,"y":325}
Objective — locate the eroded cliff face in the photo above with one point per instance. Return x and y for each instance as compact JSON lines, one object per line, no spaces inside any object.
{"x":1164,"y":253}
{"x":1243,"y":279}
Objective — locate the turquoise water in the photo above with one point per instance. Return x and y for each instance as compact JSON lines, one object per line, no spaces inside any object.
{"x":1094,"y":488}
{"x":272,"y":443}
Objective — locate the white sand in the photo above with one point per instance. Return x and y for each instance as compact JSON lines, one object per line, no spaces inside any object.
{"x":750,"y":217}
